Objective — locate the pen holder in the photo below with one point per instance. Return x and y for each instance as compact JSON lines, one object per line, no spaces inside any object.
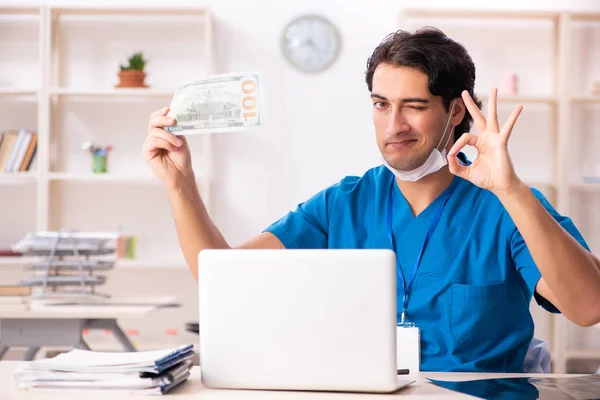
{"x":99,"y":163}
{"x":99,"y":154}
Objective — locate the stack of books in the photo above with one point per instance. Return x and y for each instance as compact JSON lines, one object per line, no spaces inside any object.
{"x":147,"y":373}
{"x":17,"y":149}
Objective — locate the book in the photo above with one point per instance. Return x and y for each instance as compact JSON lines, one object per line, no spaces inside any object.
{"x":9,"y":140}
{"x":21,"y":150}
{"x":17,"y":149}
{"x":29,"y":154}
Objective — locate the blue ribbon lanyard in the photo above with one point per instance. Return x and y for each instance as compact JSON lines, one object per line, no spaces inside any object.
{"x":407,"y":283}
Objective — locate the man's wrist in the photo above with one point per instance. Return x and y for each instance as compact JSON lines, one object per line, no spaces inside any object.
{"x":514,"y":193}
{"x":184,"y":184}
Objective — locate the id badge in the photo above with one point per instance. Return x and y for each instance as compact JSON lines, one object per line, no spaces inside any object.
{"x":408,"y":348}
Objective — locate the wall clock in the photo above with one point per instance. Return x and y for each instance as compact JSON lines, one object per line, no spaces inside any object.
{"x":311,"y":43}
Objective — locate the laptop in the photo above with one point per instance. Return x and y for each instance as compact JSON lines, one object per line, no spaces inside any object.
{"x":319,"y":320}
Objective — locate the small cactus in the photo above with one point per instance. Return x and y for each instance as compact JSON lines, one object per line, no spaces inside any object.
{"x":136,"y":62}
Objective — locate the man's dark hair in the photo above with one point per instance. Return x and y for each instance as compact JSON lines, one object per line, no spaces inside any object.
{"x":447,"y":64}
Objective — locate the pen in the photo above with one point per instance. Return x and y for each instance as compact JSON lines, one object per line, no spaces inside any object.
{"x":403,"y":372}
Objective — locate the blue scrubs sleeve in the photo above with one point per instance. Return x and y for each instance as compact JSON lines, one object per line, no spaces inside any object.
{"x":522,"y":257}
{"x":307,"y":227}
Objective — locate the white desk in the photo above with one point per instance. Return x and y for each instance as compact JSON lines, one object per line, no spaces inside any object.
{"x":193,"y":389}
{"x":38,"y":324}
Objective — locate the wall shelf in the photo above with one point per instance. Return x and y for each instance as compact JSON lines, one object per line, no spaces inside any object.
{"x":465,"y":13}
{"x":588,"y":187}
{"x":131,"y":11}
{"x":19,"y":10}
{"x":522,"y":99}
{"x":116,"y":92}
{"x":18,"y":92}
{"x":18,"y":177}
{"x":585,"y":99}
{"x":74,"y":70}
{"x":105,"y":177}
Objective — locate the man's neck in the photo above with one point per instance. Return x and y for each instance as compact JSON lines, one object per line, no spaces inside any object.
{"x":422,"y":193}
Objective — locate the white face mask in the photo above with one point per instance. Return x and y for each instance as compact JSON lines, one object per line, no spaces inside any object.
{"x":434,"y":162}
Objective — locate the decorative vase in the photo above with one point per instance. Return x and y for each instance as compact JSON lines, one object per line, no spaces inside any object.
{"x":131,"y":79}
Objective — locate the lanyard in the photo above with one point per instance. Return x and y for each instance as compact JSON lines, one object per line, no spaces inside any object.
{"x":407,"y":283}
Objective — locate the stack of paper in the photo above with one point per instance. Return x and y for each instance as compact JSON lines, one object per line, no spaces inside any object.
{"x":149,"y":372}
{"x":65,"y":240}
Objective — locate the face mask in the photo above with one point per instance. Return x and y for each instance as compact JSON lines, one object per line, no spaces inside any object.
{"x":434,"y":162}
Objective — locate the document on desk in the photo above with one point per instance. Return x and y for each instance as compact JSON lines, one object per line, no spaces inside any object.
{"x":143,"y":361}
{"x":150,"y":372}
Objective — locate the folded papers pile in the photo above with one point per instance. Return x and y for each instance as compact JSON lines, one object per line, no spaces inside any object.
{"x":148,"y":372}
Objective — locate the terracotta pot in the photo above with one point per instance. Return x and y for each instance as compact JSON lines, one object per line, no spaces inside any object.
{"x":131,"y":79}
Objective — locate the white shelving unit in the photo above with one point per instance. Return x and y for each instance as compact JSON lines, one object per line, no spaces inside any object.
{"x":585,"y":99}
{"x":18,"y":92}
{"x":66,"y":93}
{"x":121,"y":92}
{"x":551,"y":90}
{"x":20,"y":85}
{"x":551,"y":100}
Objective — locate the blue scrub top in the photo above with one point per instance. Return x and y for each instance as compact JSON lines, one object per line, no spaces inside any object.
{"x":471,"y":294}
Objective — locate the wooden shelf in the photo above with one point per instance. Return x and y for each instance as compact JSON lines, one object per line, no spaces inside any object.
{"x":588,"y":187}
{"x":20,"y":10}
{"x":103,"y":178}
{"x":120,"y":11}
{"x":17,"y":177}
{"x":466,"y":13}
{"x":585,"y":15}
{"x":109,"y":177}
{"x":585,"y":99}
{"x":523,"y":99}
{"x":17,"y":92}
{"x":112,"y":92}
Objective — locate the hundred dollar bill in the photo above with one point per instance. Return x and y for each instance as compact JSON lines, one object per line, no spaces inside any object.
{"x":219,"y":103}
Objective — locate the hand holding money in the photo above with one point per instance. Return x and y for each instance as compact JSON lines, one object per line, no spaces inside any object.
{"x":220,"y":103}
{"x":167,"y":155}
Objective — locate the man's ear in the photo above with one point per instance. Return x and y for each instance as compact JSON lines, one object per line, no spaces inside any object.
{"x":459,"y":112}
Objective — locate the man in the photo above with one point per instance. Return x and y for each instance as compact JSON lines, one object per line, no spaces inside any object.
{"x":473,"y":242}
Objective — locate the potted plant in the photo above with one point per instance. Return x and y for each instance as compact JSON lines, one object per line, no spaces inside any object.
{"x":133,"y":75}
